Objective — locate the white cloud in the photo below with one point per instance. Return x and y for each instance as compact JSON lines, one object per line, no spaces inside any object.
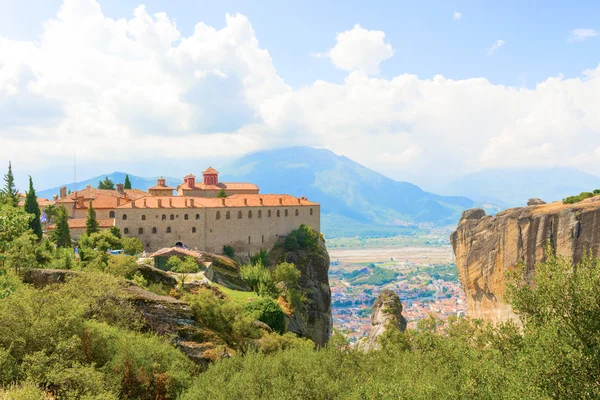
{"x":136,"y":89}
{"x":497,"y":44}
{"x":456,"y":15}
{"x":581,"y":34}
{"x":359,"y":49}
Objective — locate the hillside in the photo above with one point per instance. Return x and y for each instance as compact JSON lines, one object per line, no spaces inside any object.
{"x":345,"y":189}
{"x":137,"y":182}
{"x":513,"y":186}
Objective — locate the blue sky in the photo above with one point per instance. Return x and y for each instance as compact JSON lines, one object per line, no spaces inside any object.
{"x":421,"y":91}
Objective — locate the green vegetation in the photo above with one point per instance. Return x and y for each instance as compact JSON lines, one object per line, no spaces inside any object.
{"x":127,"y":184}
{"x":32,"y":207}
{"x":228,"y":251}
{"x":91,"y":223}
{"x":106,"y":184}
{"x":221,"y":194}
{"x":268,"y":311}
{"x":9,"y":194}
{"x":580,"y":197}
{"x":371,"y":275}
{"x":183,"y":267}
{"x":446,"y":272}
{"x":62,"y":233}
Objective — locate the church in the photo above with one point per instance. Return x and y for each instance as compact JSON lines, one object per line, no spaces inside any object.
{"x":204,"y":216}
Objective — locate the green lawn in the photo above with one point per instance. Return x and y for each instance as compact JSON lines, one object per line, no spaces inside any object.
{"x":236,"y":295}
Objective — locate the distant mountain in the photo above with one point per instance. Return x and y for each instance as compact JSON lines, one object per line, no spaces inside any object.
{"x":344,"y":188}
{"x":137,"y":182}
{"x":514,"y":186}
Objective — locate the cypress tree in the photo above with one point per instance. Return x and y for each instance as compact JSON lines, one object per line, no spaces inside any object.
{"x":32,"y":207}
{"x":10,"y":195}
{"x":62,"y":234}
{"x":91,"y":224}
{"x":127,"y":184}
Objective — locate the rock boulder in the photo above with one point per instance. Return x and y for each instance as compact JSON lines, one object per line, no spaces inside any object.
{"x":387,"y":314}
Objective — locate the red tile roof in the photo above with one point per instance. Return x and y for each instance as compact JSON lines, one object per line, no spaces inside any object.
{"x":210,"y":170}
{"x":238,"y":200}
{"x":160,"y":187}
{"x":220,"y":185}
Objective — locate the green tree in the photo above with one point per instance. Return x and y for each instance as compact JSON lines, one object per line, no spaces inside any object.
{"x":132,"y":246}
{"x":91,"y":224}
{"x":13,"y":223}
{"x":33,"y":208}
{"x":106,"y":184}
{"x":127,"y":184}
{"x":183,"y":267}
{"x":21,"y":255}
{"x":259,"y":278}
{"x":228,"y":251}
{"x":62,"y":233}
{"x":268,"y":311}
{"x":222,"y":194}
{"x":50,"y":211}
{"x":9,"y":195}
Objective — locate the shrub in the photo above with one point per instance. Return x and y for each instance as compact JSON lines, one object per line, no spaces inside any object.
{"x":259,"y":278}
{"x":302,"y":238}
{"x":268,"y":311}
{"x":122,"y":266}
{"x":228,"y":251}
{"x":260,"y":258}
{"x":132,"y":246}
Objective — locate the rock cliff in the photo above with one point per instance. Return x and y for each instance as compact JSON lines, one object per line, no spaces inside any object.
{"x":313,"y":320}
{"x":486,"y":247}
{"x":387,"y":314}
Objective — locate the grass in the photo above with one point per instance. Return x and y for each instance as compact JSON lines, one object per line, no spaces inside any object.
{"x":237,"y":295}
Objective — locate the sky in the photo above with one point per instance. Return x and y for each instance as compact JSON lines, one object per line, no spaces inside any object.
{"x":421,"y":91}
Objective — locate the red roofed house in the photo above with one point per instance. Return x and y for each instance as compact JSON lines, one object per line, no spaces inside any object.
{"x":210,"y":186}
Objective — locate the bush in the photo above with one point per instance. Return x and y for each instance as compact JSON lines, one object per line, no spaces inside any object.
{"x":228,"y":251}
{"x":259,"y":278}
{"x":122,"y":266}
{"x":304,"y":238}
{"x":268,"y":311}
{"x":132,"y":246}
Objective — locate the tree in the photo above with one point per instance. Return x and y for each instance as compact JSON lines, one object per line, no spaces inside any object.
{"x":127,"y":184}
{"x":9,"y":195}
{"x":222,"y":194}
{"x":183,"y":267}
{"x":132,"y":246}
{"x":14,"y":222}
{"x":106,"y":184}
{"x":21,"y":254}
{"x":50,"y":212}
{"x":62,"y":233}
{"x":32,"y":207}
{"x":91,"y":224}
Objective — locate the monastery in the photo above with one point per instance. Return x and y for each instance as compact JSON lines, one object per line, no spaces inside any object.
{"x":195,"y":217}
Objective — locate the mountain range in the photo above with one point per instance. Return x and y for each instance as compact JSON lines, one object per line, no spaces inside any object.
{"x":353,"y":198}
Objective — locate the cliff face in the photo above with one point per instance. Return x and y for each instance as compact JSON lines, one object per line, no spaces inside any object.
{"x":486,"y":247}
{"x":387,"y":314}
{"x":313,"y":319}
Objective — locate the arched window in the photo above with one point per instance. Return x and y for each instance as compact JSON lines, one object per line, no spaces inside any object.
{"x":124,"y":217}
{"x":227,"y":215}
{"x":278,"y":213}
{"x":185,"y":217}
{"x":269,"y":213}
{"x":286,"y":213}
{"x":143,"y":217}
{"x":164,"y":217}
{"x":259,"y":213}
{"x":311,"y":211}
{"x":141,"y":231}
{"x":126,"y":231}
{"x":218,"y":214}
{"x":111,"y":214}
{"x":153,"y":230}
{"x":250,"y":214}
{"x":296,"y":212}
{"x":197,"y":216}
{"x":172,"y":217}
{"x":240,"y":214}
{"x":194,"y":229}
{"x":168,"y":229}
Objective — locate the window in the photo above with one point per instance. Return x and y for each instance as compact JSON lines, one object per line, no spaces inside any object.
{"x":111,"y":214}
{"x":311,"y":211}
{"x":172,"y":217}
{"x":218,"y":214}
{"x":143,"y":217}
{"x":164,"y":217}
{"x":153,"y":230}
{"x":286,"y":213}
{"x":269,"y":213}
{"x":240,"y":214}
{"x":278,"y":213}
{"x":197,"y":216}
{"x":194,"y":229}
{"x":249,"y":214}
{"x":185,"y":217}
{"x":124,"y":217}
{"x":259,"y":213}
{"x":296,"y":212}
{"x":126,"y":231}
{"x":141,"y":231}
{"x":227,"y":215}
{"x":168,"y":229}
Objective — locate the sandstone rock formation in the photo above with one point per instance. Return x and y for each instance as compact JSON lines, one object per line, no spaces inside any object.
{"x":313,"y":320}
{"x":387,"y":314}
{"x":486,"y":247}
{"x":535,"y":202}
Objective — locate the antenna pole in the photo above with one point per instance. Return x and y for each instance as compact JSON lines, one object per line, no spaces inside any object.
{"x":74,"y":173}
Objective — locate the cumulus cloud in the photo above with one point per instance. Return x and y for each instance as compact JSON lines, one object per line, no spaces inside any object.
{"x":359,"y":49}
{"x":136,"y":89}
{"x":456,"y":15}
{"x":497,"y":44}
{"x":581,"y":34}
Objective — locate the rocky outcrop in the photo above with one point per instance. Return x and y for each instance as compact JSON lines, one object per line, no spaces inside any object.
{"x":387,"y":314}
{"x":486,"y":247}
{"x":535,"y":202}
{"x":313,"y":319}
